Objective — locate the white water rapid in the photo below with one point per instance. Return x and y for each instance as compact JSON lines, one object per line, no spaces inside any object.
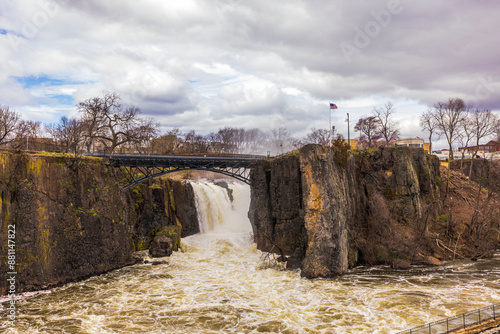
{"x":218,"y":285}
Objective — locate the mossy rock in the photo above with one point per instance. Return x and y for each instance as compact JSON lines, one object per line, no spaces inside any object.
{"x":173,"y":232}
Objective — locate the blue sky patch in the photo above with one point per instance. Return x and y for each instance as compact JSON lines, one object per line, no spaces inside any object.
{"x":63,"y":99}
{"x":3,"y":31}
{"x":42,"y":80}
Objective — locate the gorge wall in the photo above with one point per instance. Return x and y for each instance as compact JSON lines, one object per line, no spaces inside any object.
{"x":326,"y":210}
{"x":72,"y":221}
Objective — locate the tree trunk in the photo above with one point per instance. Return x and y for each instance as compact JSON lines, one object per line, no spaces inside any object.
{"x":471,"y":162}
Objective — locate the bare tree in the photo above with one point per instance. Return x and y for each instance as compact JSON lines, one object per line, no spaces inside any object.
{"x":465,"y":135}
{"x":255,"y":140}
{"x":68,"y":133}
{"x":231,"y":140}
{"x":387,"y":127}
{"x":484,"y":124}
{"x":28,"y":128}
{"x":195,"y":143}
{"x":24,"y":130}
{"x":8,"y":123}
{"x":448,"y":117}
{"x":280,"y":140}
{"x":497,"y":130}
{"x":428,"y":123}
{"x":142,"y":135}
{"x":317,"y":136}
{"x":368,"y":129}
{"x":169,"y":143}
{"x":93,"y":111}
{"x":108,"y":122}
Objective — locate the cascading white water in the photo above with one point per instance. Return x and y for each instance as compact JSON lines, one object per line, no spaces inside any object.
{"x":217,"y":285}
{"x":216,"y":212}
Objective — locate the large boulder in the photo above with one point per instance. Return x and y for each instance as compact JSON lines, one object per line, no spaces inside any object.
{"x":166,"y":241}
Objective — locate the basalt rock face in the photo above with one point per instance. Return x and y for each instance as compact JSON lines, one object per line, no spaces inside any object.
{"x":159,"y":203}
{"x":400,"y":191}
{"x":276,"y":206}
{"x":330,"y":201}
{"x":338,"y":209}
{"x":72,"y":220}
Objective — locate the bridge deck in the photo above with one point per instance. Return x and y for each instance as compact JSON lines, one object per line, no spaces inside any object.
{"x":139,"y":168}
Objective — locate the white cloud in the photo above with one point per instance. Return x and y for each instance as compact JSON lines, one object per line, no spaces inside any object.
{"x":205,"y":65}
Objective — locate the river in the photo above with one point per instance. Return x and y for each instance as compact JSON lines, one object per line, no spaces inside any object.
{"x":220,"y":283}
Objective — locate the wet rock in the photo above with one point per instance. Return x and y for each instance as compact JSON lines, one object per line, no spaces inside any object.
{"x":432,"y":261}
{"x":294,"y":261}
{"x":401,"y":264}
{"x":223,"y":184}
{"x":161,"y":246}
{"x":162,"y":202}
{"x":166,"y":241}
{"x":137,"y":258}
{"x":154,"y":263}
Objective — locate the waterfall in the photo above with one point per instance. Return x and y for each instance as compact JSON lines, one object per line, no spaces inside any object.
{"x":217,"y":213}
{"x":217,"y":285}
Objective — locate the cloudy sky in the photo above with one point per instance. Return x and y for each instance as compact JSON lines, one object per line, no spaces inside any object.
{"x":199,"y":64}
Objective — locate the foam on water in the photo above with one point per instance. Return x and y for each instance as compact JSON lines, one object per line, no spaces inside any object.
{"x":217,"y":286}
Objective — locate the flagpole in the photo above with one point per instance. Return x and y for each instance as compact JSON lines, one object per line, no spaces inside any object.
{"x":348,"y":135}
{"x":330,"y":128}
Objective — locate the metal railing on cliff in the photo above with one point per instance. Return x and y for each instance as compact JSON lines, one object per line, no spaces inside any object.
{"x":461,"y":321}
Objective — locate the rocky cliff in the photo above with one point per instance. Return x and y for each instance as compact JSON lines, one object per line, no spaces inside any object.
{"x":72,"y":220}
{"x":328,"y":209}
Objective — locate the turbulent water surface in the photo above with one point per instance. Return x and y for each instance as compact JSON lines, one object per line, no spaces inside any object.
{"x":220,"y":284}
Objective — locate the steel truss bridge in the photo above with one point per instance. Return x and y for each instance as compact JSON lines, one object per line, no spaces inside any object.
{"x":140,"y":168}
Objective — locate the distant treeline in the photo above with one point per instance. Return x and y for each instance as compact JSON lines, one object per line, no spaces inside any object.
{"x":106,"y":126}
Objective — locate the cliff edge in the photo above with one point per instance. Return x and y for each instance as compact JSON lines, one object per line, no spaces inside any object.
{"x":327,"y":209}
{"x":65,"y":219}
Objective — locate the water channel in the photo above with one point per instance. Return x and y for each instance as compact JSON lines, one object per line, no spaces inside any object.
{"x":219,"y":283}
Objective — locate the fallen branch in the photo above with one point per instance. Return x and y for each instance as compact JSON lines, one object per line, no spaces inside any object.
{"x":443,"y":246}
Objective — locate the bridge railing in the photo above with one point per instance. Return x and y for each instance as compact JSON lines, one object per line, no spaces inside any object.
{"x":457,"y":322}
{"x":188,"y":156}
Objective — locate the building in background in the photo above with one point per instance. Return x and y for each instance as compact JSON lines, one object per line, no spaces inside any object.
{"x":32,"y":144}
{"x":414,"y":142}
{"x":353,"y":143}
{"x":490,"y":147}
